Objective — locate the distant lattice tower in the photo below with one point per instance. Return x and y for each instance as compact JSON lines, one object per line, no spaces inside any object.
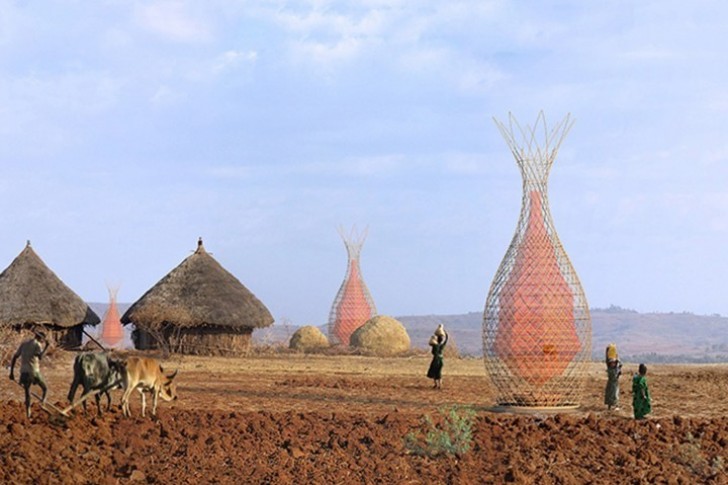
{"x":112,"y":333}
{"x":536,"y":324}
{"x":353,"y":304}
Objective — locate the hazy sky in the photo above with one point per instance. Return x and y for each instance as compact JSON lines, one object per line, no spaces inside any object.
{"x":130,"y":128}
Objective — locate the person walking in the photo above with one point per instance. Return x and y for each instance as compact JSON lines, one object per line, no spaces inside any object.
{"x":614,"y":370}
{"x":641,"y":401}
{"x":437,"y":342}
{"x":30,"y":352}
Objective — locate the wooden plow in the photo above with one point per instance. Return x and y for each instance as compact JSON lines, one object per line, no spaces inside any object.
{"x":57,"y":415}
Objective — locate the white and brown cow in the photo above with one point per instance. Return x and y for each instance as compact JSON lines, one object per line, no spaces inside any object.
{"x":146,"y":374}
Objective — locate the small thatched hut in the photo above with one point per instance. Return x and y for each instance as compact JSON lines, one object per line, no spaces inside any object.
{"x":31,"y":295}
{"x":198,"y":308}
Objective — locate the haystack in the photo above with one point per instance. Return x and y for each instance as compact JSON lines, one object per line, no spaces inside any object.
{"x":381,"y":335}
{"x":308,"y":339}
{"x":31,"y":295}
{"x":198,"y":308}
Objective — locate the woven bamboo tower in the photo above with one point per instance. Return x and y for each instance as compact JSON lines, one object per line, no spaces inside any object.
{"x":536,"y":324}
{"x":353,"y":304}
{"x":112,"y":334}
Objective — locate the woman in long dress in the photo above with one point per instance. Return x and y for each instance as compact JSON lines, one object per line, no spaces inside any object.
{"x":437,"y":342}
{"x":614,"y":370}
{"x":611,"y":393}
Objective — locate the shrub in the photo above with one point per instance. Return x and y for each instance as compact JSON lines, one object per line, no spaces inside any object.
{"x":451,"y":434}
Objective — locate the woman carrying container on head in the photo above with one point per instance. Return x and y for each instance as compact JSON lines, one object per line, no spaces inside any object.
{"x":614,"y":370}
{"x":437,"y":342}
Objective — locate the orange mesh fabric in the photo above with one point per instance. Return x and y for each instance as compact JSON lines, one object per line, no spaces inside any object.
{"x":353,"y":310}
{"x":112,"y":332}
{"x":536,"y":336}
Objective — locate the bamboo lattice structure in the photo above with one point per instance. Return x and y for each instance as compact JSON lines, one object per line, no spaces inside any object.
{"x":112,"y":334}
{"x":536,"y":323}
{"x":353,"y":304}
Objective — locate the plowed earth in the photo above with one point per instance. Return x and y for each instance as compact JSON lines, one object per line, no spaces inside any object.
{"x":296,"y":419}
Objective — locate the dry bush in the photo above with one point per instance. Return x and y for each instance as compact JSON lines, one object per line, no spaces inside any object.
{"x":10,"y":339}
{"x":308,"y":339}
{"x":691,"y":454}
{"x":381,"y":335}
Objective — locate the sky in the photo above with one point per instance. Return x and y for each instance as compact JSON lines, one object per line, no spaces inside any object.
{"x":128,"y":129}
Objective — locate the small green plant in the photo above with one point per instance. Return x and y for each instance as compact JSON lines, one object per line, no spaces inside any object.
{"x":450,"y":434}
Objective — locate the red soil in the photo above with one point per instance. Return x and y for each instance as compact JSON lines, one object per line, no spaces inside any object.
{"x":198,"y":446}
{"x":307,"y":419}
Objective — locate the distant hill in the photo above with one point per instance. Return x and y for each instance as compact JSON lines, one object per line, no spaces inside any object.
{"x":639,"y":336}
{"x":648,"y":337}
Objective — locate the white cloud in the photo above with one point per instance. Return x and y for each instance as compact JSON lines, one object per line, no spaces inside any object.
{"x":349,"y":166}
{"x":173,"y":21}
{"x":36,"y":98}
{"x":466,"y":163}
{"x":232,"y":58}
{"x":11,"y":22}
{"x":165,"y":96}
{"x":326,"y":53}
{"x":321,"y":35}
{"x":479,"y":77}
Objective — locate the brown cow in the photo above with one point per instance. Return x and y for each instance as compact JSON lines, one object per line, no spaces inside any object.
{"x":146,"y":374}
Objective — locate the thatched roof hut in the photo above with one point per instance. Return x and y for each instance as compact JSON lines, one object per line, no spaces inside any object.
{"x":32,"y":295}
{"x":198,"y":308}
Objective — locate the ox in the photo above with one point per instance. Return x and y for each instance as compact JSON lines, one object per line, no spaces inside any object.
{"x":96,"y":372}
{"x":146,"y":374}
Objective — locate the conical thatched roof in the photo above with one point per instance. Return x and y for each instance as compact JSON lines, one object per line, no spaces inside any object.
{"x":200,"y":292}
{"x":30,"y":293}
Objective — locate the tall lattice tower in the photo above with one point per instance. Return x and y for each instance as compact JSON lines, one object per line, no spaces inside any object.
{"x":112,"y":334}
{"x":536,"y":324}
{"x":353,"y":304}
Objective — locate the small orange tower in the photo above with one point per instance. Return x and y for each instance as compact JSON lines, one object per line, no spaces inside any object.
{"x":112,"y":333}
{"x":353,"y":304}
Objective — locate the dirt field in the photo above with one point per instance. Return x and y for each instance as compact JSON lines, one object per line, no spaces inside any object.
{"x":323,"y":419}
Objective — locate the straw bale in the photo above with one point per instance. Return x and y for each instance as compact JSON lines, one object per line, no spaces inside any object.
{"x":308,"y":338}
{"x":381,"y":335}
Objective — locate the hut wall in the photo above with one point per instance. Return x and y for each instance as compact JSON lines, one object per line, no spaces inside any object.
{"x":69,"y":338}
{"x":66,"y":338}
{"x":199,"y":340}
{"x":142,"y":340}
